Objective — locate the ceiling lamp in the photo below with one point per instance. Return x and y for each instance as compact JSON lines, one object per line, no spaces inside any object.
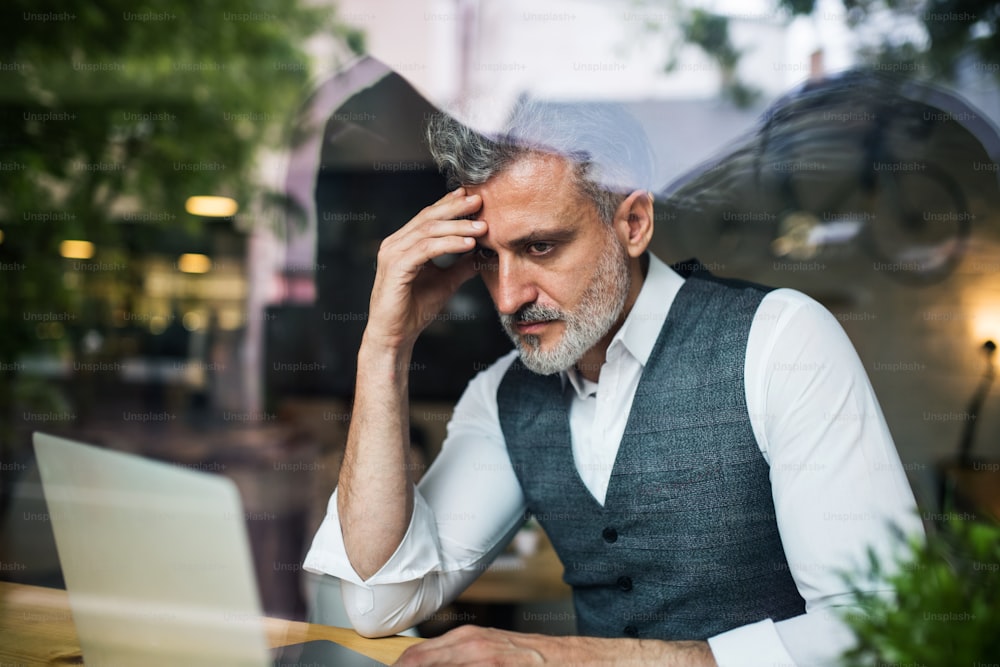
{"x":194,"y":263}
{"x":211,"y":206}
{"x":76,"y":249}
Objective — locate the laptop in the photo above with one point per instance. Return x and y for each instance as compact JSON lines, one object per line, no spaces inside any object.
{"x":157,"y":563}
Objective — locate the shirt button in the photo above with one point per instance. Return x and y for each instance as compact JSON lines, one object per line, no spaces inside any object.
{"x":631,"y":631}
{"x":625,"y":583}
{"x":610,"y":535}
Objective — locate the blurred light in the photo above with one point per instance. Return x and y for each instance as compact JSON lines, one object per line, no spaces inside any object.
{"x":986,"y":320}
{"x":157,"y":324}
{"x":194,"y":263}
{"x":193,"y":320}
{"x":230,"y":319}
{"x":160,"y":283}
{"x":211,"y":206}
{"x":841,"y":230}
{"x":781,"y":246}
{"x":92,"y":341}
{"x":1,"y":236}
{"x":76,"y":249}
{"x":796,"y":236}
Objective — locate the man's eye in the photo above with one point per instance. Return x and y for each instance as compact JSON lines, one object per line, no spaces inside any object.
{"x":540,"y":248}
{"x":485,"y":253}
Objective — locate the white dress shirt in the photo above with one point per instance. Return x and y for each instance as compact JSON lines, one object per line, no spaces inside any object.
{"x":836,"y":478}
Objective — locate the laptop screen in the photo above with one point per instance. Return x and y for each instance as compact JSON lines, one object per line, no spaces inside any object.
{"x":155,"y":557}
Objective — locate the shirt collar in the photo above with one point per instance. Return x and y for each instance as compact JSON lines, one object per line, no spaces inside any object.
{"x":642,"y":325}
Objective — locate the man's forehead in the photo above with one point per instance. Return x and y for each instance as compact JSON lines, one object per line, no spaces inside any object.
{"x":538,"y":181}
{"x":533,"y":170}
{"x":535,"y":162}
{"x":533,"y":199}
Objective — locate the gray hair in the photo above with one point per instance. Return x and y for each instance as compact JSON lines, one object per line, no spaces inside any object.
{"x":604,"y":144}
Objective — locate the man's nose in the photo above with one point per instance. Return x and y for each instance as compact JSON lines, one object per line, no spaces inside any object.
{"x":514,"y":287}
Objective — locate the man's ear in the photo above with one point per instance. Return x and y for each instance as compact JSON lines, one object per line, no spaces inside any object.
{"x":633,"y":223}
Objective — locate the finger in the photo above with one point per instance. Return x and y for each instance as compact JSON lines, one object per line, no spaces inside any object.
{"x":470,"y":646}
{"x":447,"y":208}
{"x":427,"y":248}
{"x":460,"y":190}
{"x":460,"y":227}
{"x":449,"y":638}
{"x":451,"y":208}
{"x":415,"y":240}
{"x":457,"y":192}
{"x":433,"y":652}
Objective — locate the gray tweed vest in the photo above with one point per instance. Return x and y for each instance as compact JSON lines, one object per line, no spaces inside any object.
{"x":686,"y":545}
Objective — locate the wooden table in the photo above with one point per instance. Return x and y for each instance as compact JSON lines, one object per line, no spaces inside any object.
{"x":514,"y":580}
{"x":36,"y":628}
{"x":498,"y":596}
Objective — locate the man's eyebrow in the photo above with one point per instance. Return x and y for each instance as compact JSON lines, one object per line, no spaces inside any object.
{"x":537,"y":235}
{"x":557,"y":234}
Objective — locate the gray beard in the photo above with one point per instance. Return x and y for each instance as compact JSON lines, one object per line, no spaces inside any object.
{"x":600,"y":307}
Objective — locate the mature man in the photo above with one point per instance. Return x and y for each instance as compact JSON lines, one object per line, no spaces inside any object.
{"x":707,"y":456}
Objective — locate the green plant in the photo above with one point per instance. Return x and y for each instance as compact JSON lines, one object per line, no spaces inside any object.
{"x":945,"y":609}
{"x":111,"y":115}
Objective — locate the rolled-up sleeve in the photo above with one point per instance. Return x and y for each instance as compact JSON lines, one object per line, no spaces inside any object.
{"x":466,"y":508}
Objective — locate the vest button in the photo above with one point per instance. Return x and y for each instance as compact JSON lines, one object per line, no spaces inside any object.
{"x":610,"y":535}
{"x":625,"y":583}
{"x":631,"y":631}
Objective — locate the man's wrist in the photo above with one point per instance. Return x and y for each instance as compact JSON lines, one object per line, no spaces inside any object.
{"x":669,"y":653}
{"x":637,"y":652}
{"x":470,"y":644}
{"x":380,"y":355}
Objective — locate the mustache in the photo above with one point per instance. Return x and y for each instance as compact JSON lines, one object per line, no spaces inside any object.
{"x":533,"y":312}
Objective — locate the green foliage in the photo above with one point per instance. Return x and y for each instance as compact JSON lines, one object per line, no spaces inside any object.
{"x":801,"y":7}
{"x":953,"y":29}
{"x":710,"y":32}
{"x":944,"y":610}
{"x":112,"y":113}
